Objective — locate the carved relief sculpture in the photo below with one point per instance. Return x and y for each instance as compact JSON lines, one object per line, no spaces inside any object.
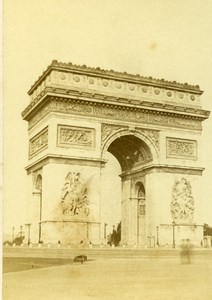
{"x":115,"y":112}
{"x":181,"y":148}
{"x":108,"y":130}
{"x":153,"y":135}
{"x":182,"y":205}
{"x":74,"y":198}
{"x":78,"y":136}
{"x":139,"y":157}
{"x":39,"y":142}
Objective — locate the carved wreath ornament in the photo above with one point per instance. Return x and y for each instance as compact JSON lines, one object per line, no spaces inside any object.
{"x":74,"y":200}
{"x":182,"y":205}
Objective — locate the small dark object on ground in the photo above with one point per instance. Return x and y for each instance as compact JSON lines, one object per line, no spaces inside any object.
{"x":80,"y":258}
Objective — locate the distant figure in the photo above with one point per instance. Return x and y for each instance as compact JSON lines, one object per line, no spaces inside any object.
{"x":185,"y":253}
{"x":81,"y":244}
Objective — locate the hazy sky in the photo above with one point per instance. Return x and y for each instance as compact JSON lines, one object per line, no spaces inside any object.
{"x":161,"y":38}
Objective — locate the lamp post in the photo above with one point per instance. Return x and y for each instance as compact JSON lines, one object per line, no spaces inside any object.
{"x":13,"y":234}
{"x":173,"y":243}
{"x":28,"y":226}
{"x":105,"y":230}
{"x":40,"y":217}
{"x":157,"y":243}
{"x":114,"y":235}
{"x":21,"y":227}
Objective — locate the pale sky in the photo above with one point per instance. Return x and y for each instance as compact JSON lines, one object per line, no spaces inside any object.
{"x":159,"y":38}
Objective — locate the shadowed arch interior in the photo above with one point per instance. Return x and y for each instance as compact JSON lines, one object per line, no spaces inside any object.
{"x":130,"y":151}
{"x":140,"y":190}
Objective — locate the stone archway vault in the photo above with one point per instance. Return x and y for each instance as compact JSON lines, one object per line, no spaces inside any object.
{"x":133,"y":154}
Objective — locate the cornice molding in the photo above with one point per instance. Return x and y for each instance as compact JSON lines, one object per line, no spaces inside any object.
{"x":69,"y":95}
{"x":163,"y":169}
{"x":103,"y":110}
{"x":62,"y":159}
{"x":111,"y":74}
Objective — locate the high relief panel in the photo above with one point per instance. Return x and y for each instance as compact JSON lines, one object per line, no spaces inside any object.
{"x":75,"y":136}
{"x":38,"y":142}
{"x":180,"y":148}
{"x":108,"y":130}
{"x":74,"y":197}
{"x":182,"y":204}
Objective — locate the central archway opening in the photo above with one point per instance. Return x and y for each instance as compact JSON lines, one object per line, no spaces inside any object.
{"x":111,"y":196}
{"x":130,"y":151}
{"x":125,"y":156}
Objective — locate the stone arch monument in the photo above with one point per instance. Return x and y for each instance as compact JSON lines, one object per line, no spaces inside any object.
{"x":153,"y":128}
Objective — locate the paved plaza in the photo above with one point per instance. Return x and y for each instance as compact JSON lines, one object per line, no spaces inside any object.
{"x":129,"y":278}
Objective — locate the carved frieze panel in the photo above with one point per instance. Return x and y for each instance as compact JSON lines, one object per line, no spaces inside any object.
{"x":38,"y":142}
{"x":182,"y":204}
{"x":115,"y":112}
{"x":75,"y":136}
{"x":40,"y":115}
{"x":181,"y":148}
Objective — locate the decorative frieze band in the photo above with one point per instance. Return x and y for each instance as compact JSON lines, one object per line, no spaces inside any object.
{"x":181,"y":148}
{"x":75,"y":136}
{"x":100,"y":110}
{"x":38,"y":142}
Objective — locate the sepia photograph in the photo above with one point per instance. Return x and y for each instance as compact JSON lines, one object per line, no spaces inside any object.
{"x":107,"y":165}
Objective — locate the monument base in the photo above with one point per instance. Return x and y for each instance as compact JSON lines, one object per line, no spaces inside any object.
{"x":173,"y":234}
{"x":71,"y":232}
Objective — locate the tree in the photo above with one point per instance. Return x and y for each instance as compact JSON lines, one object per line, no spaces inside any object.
{"x":115,"y":237}
{"x":207,"y":230}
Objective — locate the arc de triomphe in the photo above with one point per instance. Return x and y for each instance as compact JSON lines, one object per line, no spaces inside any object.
{"x":153,"y":128}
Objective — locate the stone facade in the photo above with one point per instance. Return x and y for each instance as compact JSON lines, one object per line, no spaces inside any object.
{"x":153,"y":128}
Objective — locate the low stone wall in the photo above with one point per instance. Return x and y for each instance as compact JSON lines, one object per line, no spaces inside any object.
{"x":99,"y":253}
